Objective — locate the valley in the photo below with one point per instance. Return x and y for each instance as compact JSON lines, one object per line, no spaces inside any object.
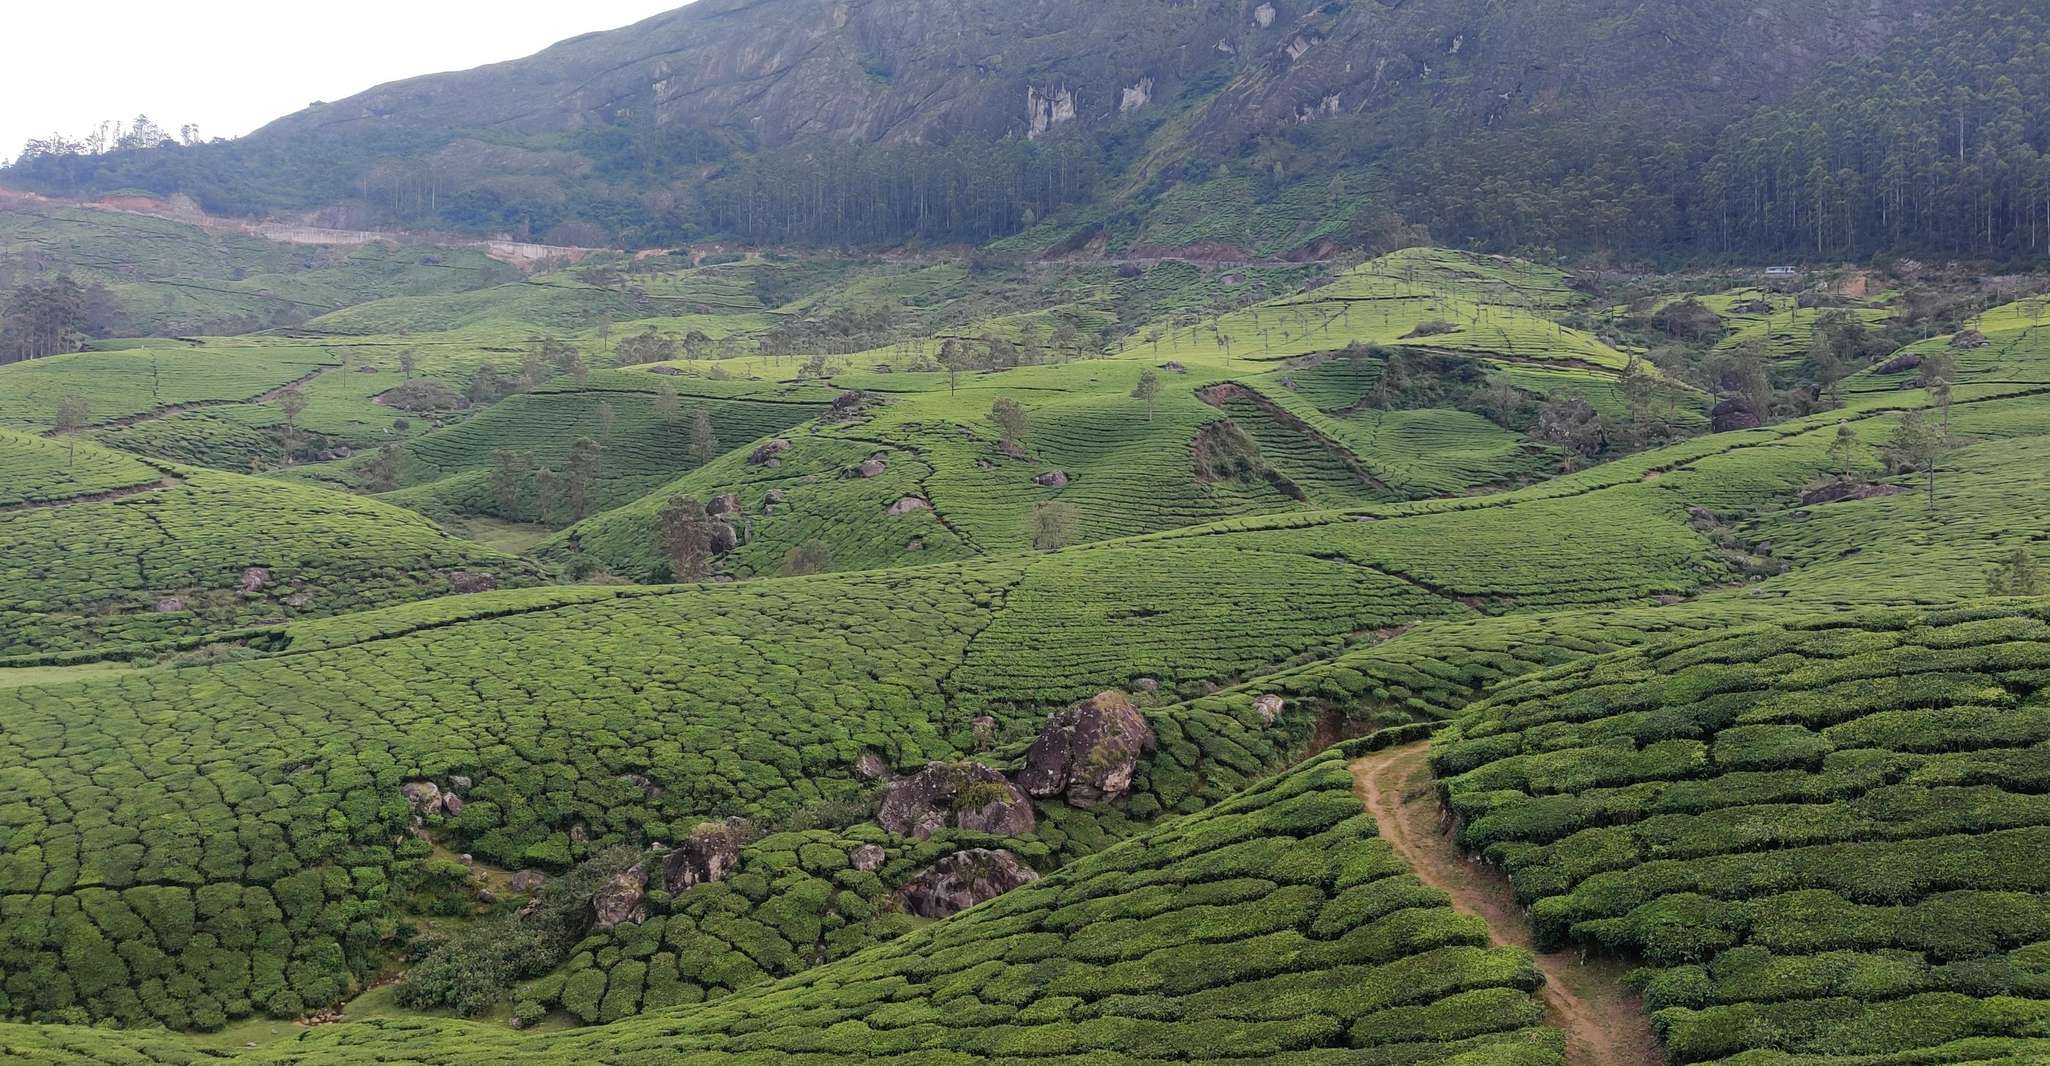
{"x":1100,"y":585}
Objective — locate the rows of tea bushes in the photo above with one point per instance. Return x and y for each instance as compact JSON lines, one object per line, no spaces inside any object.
{"x":1821,"y":839}
{"x":213,"y":552}
{"x":44,"y":471}
{"x":1895,"y":549}
{"x":1180,"y":613}
{"x":227,"y":782}
{"x":725,"y":937}
{"x":643,"y":448}
{"x":810,"y":496}
{"x":136,"y":381}
{"x":796,"y":901}
{"x":1327,"y":473}
{"x":198,"y":438}
{"x":1273,"y":927}
{"x":552,"y":710}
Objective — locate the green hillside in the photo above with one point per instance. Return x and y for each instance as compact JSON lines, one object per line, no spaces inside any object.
{"x":948,"y":656}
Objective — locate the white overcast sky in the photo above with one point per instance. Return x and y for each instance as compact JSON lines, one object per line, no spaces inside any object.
{"x":233,"y":65}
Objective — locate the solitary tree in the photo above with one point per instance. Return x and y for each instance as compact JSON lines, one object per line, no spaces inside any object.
{"x":665,"y":405}
{"x":586,"y":466}
{"x":382,"y":473}
{"x":1009,"y":415}
{"x":293,"y":403}
{"x":1918,"y":446}
{"x":510,"y":472}
{"x":684,"y":537}
{"x":605,"y":416}
{"x":1147,"y":390}
{"x":409,"y":361}
{"x":2018,"y":576}
{"x":953,"y":359}
{"x":811,"y":557}
{"x":547,"y":494}
{"x":704,"y":441}
{"x":1638,"y":386}
{"x":1845,"y":452}
{"x":1053,"y":524}
{"x":1939,"y":391}
{"x":73,"y":411}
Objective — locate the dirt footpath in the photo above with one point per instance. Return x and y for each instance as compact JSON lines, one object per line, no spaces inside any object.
{"x":1604,"y":1021}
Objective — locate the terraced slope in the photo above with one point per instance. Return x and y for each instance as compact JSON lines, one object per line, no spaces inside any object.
{"x":42,"y":472}
{"x":184,"y":554}
{"x":132,"y":382}
{"x":1822,"y":839}
{"x":449,"y":471}
{"x":1273,"y":927}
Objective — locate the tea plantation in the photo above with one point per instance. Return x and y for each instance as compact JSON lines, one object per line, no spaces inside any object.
{"x":1273,"y":926}
{"x":196,"y":553}
{"x":342,"y":657}
{"x":1821,"y":838}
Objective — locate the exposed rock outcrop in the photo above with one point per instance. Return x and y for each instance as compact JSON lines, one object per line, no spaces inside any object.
{"x":255,"y":579}
{"x":867,"y":857}
{"x":769,"y":454}
{"x":1270,"y":707}
{"x":869,"y":469}
{"x":964,"y":795}
{"x":964,"y":879}
{"x":1052,"y":479}
{"x":1733,"y":414}
{"x":463,"y":582}
{"x":1088,"y":752}
{"x":909,"y":504}
{"x":622,"y":901}
{"x":1969,"y":340}
{"x":707,"y":855}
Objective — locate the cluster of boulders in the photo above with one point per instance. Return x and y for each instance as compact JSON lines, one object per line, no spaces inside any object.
{"x":770,"y":454}
{"x":428,"y":799}
{"x":708,"y":854}
{"x":1086,"y":754}
{"x":726,"y":532}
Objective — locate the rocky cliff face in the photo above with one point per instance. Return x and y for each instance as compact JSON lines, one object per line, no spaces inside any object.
{"x":641,"y":119}
{"x":761,"y":73}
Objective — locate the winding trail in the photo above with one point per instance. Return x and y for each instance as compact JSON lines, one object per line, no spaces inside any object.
{"x":1604,"y":1022}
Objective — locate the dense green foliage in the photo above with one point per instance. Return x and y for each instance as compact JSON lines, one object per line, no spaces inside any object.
{"x":208,"y":553}
{"x":1821,"y":839}
{"x":1820,"y":130}
{"x":1272,"y":926}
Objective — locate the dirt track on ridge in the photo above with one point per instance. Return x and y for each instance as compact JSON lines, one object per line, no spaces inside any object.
{"x":1604,"y":1022}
